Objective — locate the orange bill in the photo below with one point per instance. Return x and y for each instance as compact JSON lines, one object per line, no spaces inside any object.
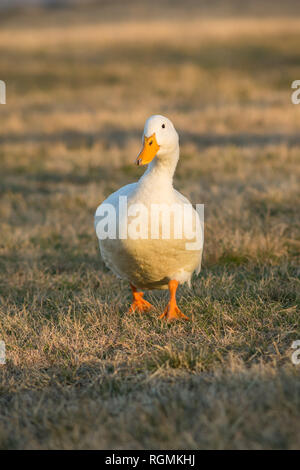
{"x":149,"y":150}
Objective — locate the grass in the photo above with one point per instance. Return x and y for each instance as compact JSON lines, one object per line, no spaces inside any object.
{"x":80,"y":373}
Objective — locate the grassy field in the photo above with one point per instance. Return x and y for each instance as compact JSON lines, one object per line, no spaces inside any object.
{"x":80,"y":373}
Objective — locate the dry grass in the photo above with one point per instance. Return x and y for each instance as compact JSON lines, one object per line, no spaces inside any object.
{"x":80,"y":373}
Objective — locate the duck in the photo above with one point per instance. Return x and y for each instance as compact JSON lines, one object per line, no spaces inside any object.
{"x":140,"y":226}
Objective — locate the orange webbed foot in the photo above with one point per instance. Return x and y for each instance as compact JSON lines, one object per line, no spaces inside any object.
{"x":139,"y":304}
{"x":172,"y":312}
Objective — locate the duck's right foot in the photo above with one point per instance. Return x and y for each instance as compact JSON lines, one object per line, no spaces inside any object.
{"x":139,"y":304}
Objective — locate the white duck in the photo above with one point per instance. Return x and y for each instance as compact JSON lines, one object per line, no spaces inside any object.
{"x":149,"y":258}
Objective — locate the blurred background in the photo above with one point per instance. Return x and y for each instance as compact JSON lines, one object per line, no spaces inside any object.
{"x":82,"y":77}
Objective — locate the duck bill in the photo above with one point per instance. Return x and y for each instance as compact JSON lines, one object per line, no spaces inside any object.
{"x":149,"y":150}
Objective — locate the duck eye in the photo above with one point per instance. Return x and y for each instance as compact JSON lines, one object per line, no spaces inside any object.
{"x":150,"y":143}
{"x":163,"y":126}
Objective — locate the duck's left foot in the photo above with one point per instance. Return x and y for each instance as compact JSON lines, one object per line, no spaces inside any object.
{"x":139,"y":304}
{"x":171,"y":311}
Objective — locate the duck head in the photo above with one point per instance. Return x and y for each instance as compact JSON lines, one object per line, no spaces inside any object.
{"x":160,"y":140}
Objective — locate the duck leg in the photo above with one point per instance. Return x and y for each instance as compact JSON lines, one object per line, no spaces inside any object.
{"x":139,"y":304}
{"x":171,"y":311}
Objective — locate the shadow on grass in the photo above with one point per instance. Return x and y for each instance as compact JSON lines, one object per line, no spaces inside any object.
{"x":80,"y":139}
{"x":98,"y":405}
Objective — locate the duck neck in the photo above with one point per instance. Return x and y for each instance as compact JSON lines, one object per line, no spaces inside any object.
{"x":160,"y":171}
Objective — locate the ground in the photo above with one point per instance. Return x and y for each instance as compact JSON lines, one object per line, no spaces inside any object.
{"x":80,"y":372}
